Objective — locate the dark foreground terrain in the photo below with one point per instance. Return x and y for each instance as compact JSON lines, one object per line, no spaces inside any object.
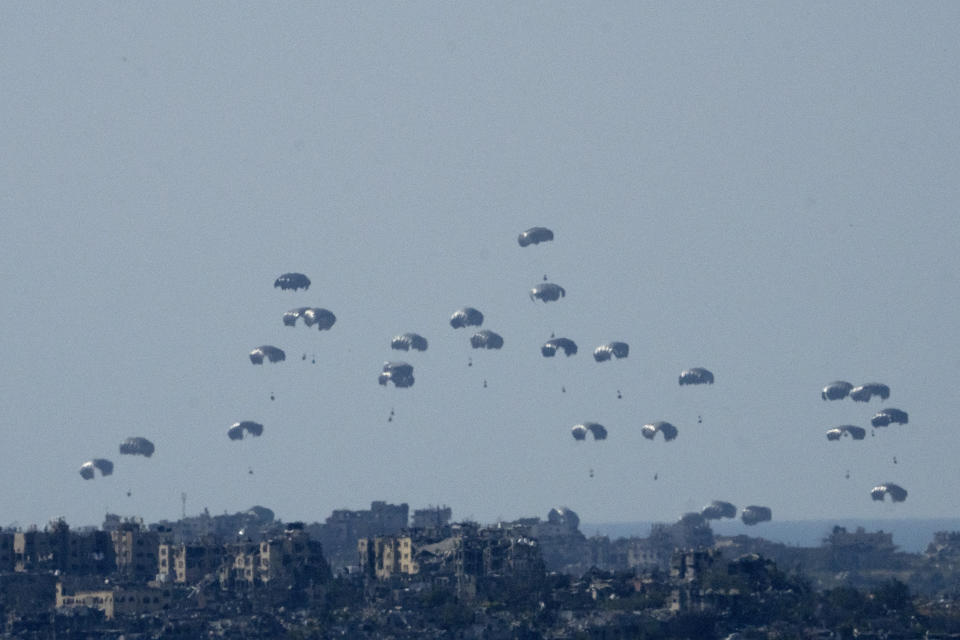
{"x":380,"y":573}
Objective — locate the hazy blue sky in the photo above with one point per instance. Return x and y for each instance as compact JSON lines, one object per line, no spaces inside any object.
{"x":768,"y":190}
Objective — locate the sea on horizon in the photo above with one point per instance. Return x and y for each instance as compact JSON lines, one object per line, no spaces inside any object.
{"x":911,"y":535}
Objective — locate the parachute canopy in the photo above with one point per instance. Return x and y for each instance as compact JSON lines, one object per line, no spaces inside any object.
{"x":612,"y":349}
{"x":137,"y":447}
{"x":273,"y":354}
{"x":535,"y":235}
{"x":864,"y":392}
{"x":886,"y":416}
{"x":87,"y":469}
{"x":754,"y":514}
{"x":564,"y":516}
{"x":692,"y":519}
{"x":236,"y":430}
{"x":549,"y":348}
{"x":836,"y":390}
{"x":579,"y":431}
{"x":719,"y":509}
{"x":292,"y":281}
{"x":697,"y":375}
{"x":400,"y":373}
{"x":668,"y":430}
{"x":857,"y":433}
{"x":262,"y":515}
{"x":323,"y":318}
{"x":547,"y":291}
{"x":486,"y":339}
{"x":407,"y":341}
{"x":897,"y":493}
{"x":466,"y":317}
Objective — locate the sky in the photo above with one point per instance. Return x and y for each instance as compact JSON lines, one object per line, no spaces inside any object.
{"x":768,"y":190}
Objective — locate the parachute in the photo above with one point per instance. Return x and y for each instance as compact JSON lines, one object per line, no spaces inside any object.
{"x":321,"y":317}
{"x":273,"y":354}
{"x":400,"y":373}
{"x":755,"y":514}
{"x":864,"y":392}
{"x":292,"y":281}
{"x":235,"y":432}
{"x":719,"y":509}
{"x":857,"y":433}
{"x":486,"y":339}
{"x":897,"y":493}
{"x":549,"y":348}
{"x":311,"y":316}
{"x":261,"y":515}
{"x":836,"y":390}
{"x":466,"y":317}
{"x":548,"y":292}
{"x":692,"y":519}
{"x":668,"y":430}
{"x":885,"y":417}
{"x":407,"y":341}
{"x":579,"y":431}
{"x":605,"y":351}
{"x":87,"y":469}
{"x":598,"y":430}
{"x":535,"y":235}
{"x":564,"y":516}
{"x":697,"y":375}
{"x":137,"y":447}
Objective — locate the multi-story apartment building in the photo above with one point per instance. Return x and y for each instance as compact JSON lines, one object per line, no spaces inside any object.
{"x":385,"y":556}
{"x":57,"y":548}
{"x":431,"y":517}
{"x":239,"y":568}
{"x":288,"y":559}
{"x":188,"y":563}
{"x":136,"y":551}
{"x":113,"y":600}
{"x":6,"y":551}
{"x":281,"y":557}
{"x":342,"y":529}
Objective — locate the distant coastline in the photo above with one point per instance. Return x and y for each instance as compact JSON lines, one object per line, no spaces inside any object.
{"x":909,"y":534}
